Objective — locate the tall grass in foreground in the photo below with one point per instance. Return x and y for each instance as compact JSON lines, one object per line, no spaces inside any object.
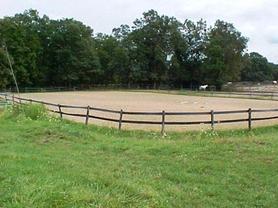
{"x":28,"y":111}
{"x":48,"y":162}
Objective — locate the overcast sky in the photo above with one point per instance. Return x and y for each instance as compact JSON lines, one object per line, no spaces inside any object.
{"x":256,"y":19}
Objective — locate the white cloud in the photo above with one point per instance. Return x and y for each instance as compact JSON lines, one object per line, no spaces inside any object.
{"x":256,"y":19}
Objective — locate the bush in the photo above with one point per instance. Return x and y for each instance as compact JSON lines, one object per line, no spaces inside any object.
{"x":30,"y":111}
{"x":34,"y":112}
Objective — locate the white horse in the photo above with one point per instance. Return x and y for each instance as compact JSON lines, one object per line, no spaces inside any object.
{"x":203,"y":87}
{"x":274,"y":82}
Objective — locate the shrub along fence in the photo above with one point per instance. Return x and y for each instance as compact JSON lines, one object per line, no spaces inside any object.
{"x":163,"y":114}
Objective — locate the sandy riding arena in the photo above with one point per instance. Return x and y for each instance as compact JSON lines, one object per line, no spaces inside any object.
{"x":156,"y":102}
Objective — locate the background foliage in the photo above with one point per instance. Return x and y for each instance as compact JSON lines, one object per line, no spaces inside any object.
{"x":65,"y":52}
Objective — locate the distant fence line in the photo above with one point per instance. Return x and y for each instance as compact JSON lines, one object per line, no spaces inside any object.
{"x":163,"y":114}
{"x":90,"y":87}
{"x":272,"y":95}
{"x":251,"y":93}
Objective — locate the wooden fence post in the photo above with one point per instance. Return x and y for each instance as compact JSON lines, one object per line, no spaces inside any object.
{"x":87,"y":115}
{"x":163,"y":123}
{"x":13,"y":99}
{"x":249,"y":119}
{"x":60,"y":111}
{"x":120,"y":120}
{"x":212,"y":119}
{"x":30,"y":100}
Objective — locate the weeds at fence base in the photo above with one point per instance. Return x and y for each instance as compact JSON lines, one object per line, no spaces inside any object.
{"x":28,"y":111}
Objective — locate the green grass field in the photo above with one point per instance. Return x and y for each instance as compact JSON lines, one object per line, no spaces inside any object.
{"x":45,"y":162}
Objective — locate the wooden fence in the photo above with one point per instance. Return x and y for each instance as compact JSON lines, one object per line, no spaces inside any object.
{"x":163,"y":114}
{"x":272,"y":95}
{"x":245,"y":94}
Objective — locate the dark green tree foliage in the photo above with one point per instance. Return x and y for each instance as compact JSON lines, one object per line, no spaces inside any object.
{"x":224,"y":54}
{"x":274,"y":70}
{"x":72,"y":59}
{"x":20,"y":35}
{"x":4,"y":71}
{"x":147,"y":45}
{"x":196,"y":38}
{"x":256,"y":69}
{"x":46,"y":52}
{"x":113,"y":60}
{"x":49,"y":52}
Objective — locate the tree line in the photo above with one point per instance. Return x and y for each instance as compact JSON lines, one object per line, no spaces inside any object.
{"x":155,"y":50}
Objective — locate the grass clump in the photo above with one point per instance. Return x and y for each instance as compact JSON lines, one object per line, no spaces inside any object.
{"x":66,"y":164}
{"x":28,"y":111}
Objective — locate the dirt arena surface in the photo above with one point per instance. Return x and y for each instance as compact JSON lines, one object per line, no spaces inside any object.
{"x":156,"y":102}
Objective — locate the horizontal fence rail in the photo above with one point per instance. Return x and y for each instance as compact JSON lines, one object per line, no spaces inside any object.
{"x":257,"y":94}
{"x":163,"y":115}
{"x":248,"y":94}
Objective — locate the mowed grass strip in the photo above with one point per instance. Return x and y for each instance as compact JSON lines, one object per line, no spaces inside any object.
{"x":45,"y":162}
